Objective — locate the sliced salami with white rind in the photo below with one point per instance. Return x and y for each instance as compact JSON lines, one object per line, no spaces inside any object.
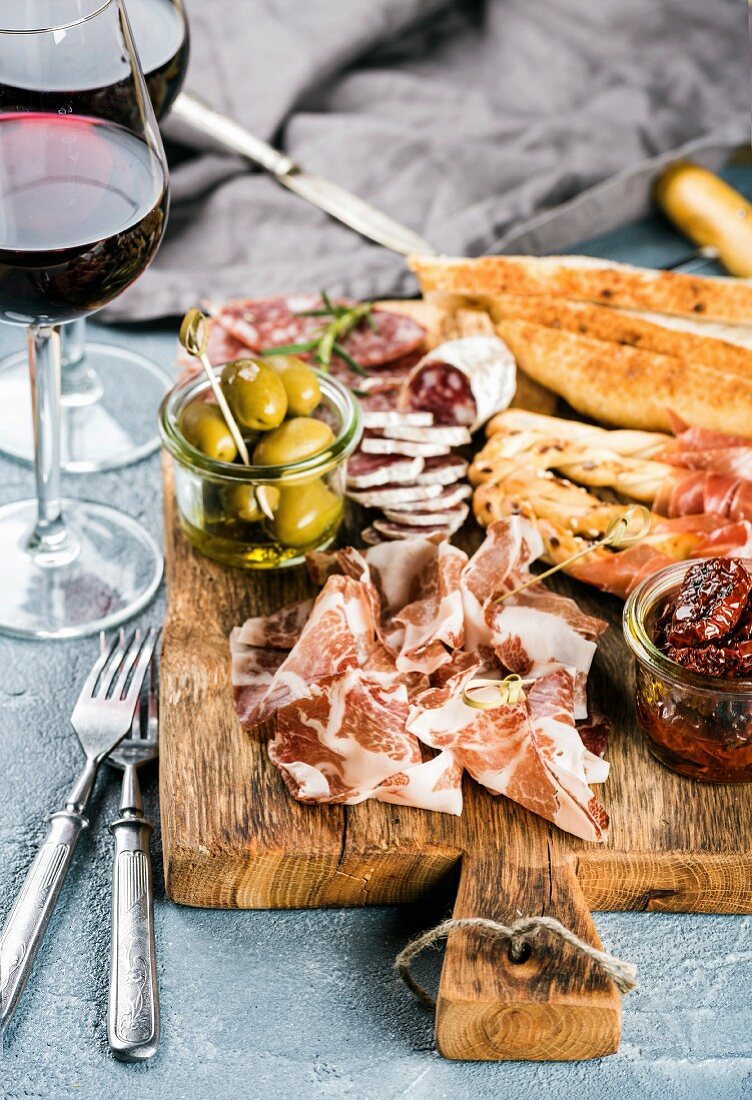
{"x":364,"y":471}
{"x":371,"y":537}
{"x":464,"y":381}
{"x":387,"y":495}
{"x":443,"y":471}
{"x":376,"y":445}
{"x":448,"y":517}
{"x":393,"y":531}
{"x":450,"y":496}
{"x":449,"y":435}
{"x":383,"y":418}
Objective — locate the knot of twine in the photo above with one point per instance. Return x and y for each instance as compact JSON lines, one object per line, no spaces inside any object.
{"x":623,"y":974}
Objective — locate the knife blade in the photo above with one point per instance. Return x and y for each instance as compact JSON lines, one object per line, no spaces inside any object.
{"x":191,"y":116}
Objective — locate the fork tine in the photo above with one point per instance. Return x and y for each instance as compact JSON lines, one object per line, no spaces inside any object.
{"x":112,"y":666}
{"x":152,"y":726}
{"x":142,"y":664}
{"x":106,"y":651}
{"x":129,"y":660}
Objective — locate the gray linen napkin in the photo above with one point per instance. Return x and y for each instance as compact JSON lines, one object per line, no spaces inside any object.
{"x":499,"y":126}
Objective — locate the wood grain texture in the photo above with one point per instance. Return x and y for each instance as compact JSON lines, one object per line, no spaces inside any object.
{"x":234,"y":838}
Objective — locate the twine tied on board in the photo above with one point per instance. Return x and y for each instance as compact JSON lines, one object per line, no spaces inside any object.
{"x":520,"y":932}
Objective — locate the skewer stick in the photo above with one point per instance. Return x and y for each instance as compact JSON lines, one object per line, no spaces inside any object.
{"x":194,"y":336}
{"x":625,"y":530}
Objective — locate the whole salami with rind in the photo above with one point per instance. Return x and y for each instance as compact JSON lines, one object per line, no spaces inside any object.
{"x":462,"y":382}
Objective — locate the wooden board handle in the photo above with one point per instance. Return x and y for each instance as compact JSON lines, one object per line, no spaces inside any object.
{"x":557,"y":1005}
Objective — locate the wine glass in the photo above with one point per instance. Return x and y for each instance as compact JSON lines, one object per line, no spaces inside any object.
{"x":83,"y":205}
{"x":102,"y":428}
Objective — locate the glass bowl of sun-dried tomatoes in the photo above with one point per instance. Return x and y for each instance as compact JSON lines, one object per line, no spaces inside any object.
{"x":689,"y":627}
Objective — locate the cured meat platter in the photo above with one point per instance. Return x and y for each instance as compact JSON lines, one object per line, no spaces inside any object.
{"x":234,"y":838}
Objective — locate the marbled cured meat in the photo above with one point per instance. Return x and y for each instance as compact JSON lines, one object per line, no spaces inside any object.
{"x":443,"y":471}
{"x":529,"y":751}
{"x":434,"y":623}
{"x":369,"y":699}
{"x":280,"y":630}
{"x":463,"y":382}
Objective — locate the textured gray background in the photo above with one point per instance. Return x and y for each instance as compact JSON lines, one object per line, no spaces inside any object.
{"x":277,"y":1004}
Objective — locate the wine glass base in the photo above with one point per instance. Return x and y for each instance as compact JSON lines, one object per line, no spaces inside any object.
{"x":116,"y":428}
{"x":114,"y":575}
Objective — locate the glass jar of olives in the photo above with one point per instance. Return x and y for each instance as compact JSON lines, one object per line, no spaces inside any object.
{"x":299,"y":426}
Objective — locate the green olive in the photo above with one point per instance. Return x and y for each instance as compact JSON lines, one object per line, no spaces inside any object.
{"x":251,"y":503}
{"x":292,"y":441}
{"x":305,"y":513}
{"x":300,"y":382}
{"x":205,"y":428}
{"x":255,"y":394}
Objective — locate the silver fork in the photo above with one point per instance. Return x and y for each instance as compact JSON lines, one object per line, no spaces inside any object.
{"x":133,"y":1012}
{"x":101,"y":717}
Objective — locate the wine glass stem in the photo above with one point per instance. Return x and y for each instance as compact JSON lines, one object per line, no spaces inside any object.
{"x":51,"y":543}
{"x":80,"y":384}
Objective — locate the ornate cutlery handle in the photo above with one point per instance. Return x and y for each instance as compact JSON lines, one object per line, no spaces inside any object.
{"x":133,"y":1015}
{"x":28,"y":919}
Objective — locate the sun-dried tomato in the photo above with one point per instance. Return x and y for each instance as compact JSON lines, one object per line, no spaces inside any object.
{"x":711,"y":601}
{"x":727,"y":661}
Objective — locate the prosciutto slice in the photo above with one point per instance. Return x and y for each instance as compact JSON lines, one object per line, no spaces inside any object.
{"x":280,"y":630}
{"x":703,"y":449}
{"x":699,"y":491}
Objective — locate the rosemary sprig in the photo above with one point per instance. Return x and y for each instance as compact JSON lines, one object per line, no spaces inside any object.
{"x":327,"y":340}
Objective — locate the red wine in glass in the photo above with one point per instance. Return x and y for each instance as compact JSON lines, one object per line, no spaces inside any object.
{"x":84,"y":202}
{"x":100,"y":85}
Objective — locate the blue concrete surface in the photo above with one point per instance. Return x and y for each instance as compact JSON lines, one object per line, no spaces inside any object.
{"x":305,"y":1004}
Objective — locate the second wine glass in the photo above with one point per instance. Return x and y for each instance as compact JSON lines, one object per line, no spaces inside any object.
{"x":101,"y":427}
{"x":83,"y":207}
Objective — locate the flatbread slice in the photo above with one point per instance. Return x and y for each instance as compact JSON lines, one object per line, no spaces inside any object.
{"x":626,"y":386}
{"x":587,"y":279}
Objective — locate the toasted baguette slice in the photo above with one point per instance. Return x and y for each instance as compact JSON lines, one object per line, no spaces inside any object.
{"x":623,"y":328}
{"x":587,"y":279}
{"x":626,"y":386}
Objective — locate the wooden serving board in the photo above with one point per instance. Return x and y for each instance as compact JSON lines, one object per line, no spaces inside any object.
{"x":234,"y":838}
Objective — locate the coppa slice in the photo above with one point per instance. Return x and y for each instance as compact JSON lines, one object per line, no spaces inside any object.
{"x":450,"y":436}
{"x":443,"y":471}
{"x":463,"y":381}
{"x":395,"y":494}
{"x":365,"y":471}
{"x":377,"y":445}
{"x":450,"y":495}
{"x":447,"y":517}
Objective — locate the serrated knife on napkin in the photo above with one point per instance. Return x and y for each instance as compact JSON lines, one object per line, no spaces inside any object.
{"x":190,"y":112}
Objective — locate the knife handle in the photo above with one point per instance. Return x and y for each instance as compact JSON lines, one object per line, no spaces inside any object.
{"x":228,"y":135}
{"x":28,"y":919}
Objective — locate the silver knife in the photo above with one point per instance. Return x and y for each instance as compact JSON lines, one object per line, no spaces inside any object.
{"x":191,"y":114}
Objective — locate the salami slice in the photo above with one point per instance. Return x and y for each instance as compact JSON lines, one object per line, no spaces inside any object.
{"x":450,"y":496}
{"x":378,"y":445}
{"x":448,"y":517}
{"x":443,"y":471}
{"x":371,"y":537}
{"x":393,"y":531}
{"x":392,"y":493}
{"x":276,"y":322}
{"x":382,"y":418}
{"x":448,"y":435}
{"x":463,"y":381}
{"x":365,"y":471}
